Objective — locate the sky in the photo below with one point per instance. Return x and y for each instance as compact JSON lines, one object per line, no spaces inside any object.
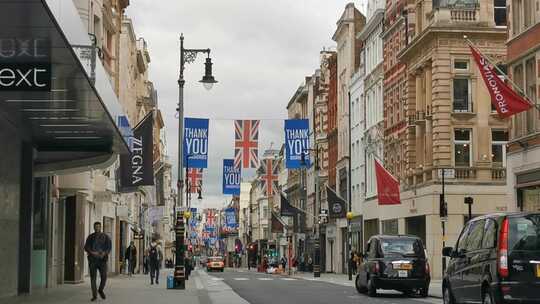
{"x":262,"y":51}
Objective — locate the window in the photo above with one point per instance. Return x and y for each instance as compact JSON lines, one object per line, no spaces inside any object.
{"x":462,"y":93}
{"x":499,"y":138}
{"x":462,"y":147}
{"x":461,"y":65}
{"x":462,"y":242}
{"x":474,"y":241}
{"x":516,"y":16}
{"x":390,"y":227}
{"x":499,"y":12}
{"x":490,"y":234}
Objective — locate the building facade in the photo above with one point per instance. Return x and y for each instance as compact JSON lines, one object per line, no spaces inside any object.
{"x":523,"y":58}
{"x":452,"y":130}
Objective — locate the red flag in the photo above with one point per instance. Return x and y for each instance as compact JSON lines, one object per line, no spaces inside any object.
{"x":506,"y":101}
{"x":387,"y":186}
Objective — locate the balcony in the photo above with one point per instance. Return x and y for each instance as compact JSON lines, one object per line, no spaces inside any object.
{"x":454,"y":11}
{"x":420,"y":176}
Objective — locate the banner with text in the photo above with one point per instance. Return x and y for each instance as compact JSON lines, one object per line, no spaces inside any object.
{"x":231,"y":177}
{"x":297,"y":143}
{"x":230,"y":218}
{"x":195,"y":143}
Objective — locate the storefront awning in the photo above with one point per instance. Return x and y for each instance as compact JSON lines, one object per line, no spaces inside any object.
{"x":54,"y":89}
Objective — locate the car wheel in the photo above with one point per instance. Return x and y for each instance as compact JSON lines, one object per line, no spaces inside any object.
{"x":487,"y":298}
{"x":448,"y":298}
{"x":371,"y":288}
{"x":359,"y":287}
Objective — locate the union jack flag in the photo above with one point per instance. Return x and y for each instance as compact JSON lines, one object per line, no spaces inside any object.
{"x":194,"y":177}
{"x":269,"y":177}
{"x":209,"y":217}
{"x":246,"y":146}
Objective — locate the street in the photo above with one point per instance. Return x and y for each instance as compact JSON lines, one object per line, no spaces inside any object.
{"x":259,"y":288}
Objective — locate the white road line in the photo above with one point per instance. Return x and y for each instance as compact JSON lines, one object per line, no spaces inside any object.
{"x":241,"y":279}
{"x":265,"y":279}
{"x":288,"y":279}
{"x":217,"y":279}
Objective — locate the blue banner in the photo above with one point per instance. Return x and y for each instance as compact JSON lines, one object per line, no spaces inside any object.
{"x":231,"y":177}
{"x":230,"y":218}
{"x":195,"y":143}
{"x":297,"y":143}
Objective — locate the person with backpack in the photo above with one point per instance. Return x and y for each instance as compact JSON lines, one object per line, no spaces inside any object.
{"x":154,"y":261}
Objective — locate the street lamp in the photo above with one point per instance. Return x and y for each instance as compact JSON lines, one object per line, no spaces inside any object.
{"x":186,"y":56}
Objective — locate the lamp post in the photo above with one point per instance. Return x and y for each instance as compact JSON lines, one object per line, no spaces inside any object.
{"x":186,"y":56}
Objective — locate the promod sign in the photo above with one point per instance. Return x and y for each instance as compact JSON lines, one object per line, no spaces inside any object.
{"x":297,"y":143}
{"x":196,"y":143}
{"x":231,"y":177}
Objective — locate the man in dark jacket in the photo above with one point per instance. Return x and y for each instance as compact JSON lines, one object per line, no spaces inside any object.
{"x":131,"y":257}
{"x":155,"y":256}
{"x":98,"y":246}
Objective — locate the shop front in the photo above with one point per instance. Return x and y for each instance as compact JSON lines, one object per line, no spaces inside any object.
{"x":58,"y":114}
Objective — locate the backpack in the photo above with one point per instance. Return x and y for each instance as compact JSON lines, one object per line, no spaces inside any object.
{"x":153,"y":254}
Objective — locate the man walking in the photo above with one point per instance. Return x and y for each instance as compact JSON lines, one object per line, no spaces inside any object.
{"x":154,"y":260}
{"x":98,"y":246}
{"x":131,"y":258}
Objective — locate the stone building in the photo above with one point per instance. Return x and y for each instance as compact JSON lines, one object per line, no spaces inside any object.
{"x":452,"y":130}
{"x":523,"y":59}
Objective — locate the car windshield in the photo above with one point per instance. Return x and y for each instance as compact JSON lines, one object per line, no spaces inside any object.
{"x":402,"y":246}
{"x":215,"y":259}
{"x":525,"y":233}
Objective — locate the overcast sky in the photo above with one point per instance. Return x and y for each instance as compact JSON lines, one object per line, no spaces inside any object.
{"x":261,"y":49}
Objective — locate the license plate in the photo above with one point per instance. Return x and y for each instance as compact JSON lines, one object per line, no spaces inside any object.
{"x":538,"y":270}
{"x":403,"y":273}
{"x":402,"y":266}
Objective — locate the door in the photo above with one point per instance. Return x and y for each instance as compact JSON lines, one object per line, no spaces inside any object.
{"x":457,"y":264}
{"x":472,"y":270}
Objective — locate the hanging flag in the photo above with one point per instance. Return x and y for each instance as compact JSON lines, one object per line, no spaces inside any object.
{"x":387,"y":186}
{"x":231,"y":177}
{"x":230,"y":218}
{"x":195,"y":142}
{"x":506,"y":101}
{"x":194,"y":177}
{"x":137,"y":168}
{"x":246,"y":146}
{"x":336,"y":205}
{"x":286,"y":209}
{"x":277,"y":223}
{"x":210,"y":217}
{"x":269,"y":177}
{"x":297,"y":143}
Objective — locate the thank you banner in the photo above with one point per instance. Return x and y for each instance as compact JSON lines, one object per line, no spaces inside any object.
{"x":137,"y":168}
{"x":296,"y":143}
{"x":231,"y":177}
{"x":196,"y":142}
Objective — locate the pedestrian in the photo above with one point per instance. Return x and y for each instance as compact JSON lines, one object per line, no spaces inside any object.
{"x":188,"y":265}
{"x":145,"y":262}
{"x":98,"y":246}
{"x":294,"y":265}
{"x":265,"y":263}
{"x":352,"y":261}
{"x":131,"y":258}
{"x":283,"y":262}
{"x":310,"y":264}
{"x":154,"y":261}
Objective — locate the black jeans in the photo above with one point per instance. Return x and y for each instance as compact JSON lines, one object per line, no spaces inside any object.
{"x":94,"y":267}
{"x":154,"y":273}
{"x":131,"y":266}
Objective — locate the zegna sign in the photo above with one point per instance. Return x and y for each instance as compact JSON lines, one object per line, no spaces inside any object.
{"x":25,"y":64}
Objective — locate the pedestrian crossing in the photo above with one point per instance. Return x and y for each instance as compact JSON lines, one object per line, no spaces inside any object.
{"x":266,"y":279}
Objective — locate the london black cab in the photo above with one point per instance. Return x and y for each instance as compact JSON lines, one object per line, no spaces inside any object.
{"x":495,"y":260}
{"x":394,"y":262}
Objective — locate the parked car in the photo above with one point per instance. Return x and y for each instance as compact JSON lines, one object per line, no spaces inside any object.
{"x":394,"y":262}
{"x":215,"y":263}
{"x":495,"y":260}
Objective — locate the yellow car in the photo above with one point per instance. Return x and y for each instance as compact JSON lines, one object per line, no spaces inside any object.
{"x":215,"y":263}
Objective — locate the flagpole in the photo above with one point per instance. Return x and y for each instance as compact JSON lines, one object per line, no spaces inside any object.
{"x":492,"y":62}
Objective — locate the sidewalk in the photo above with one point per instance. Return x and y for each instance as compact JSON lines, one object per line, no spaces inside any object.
{"x":120,"y":290}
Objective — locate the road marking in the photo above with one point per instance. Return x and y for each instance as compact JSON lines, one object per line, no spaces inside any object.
{"x":288,"y":279}
{"x":217,"y":279}
{"x":265,"y":279}
{"x":428,"y":300}
{"x":241,"y":279}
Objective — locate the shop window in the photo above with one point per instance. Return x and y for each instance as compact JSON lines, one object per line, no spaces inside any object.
{"x":462,"y":148}
{"x":499,"y":139}
{"x":499,"y":12}
{"x":462,"y":95}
